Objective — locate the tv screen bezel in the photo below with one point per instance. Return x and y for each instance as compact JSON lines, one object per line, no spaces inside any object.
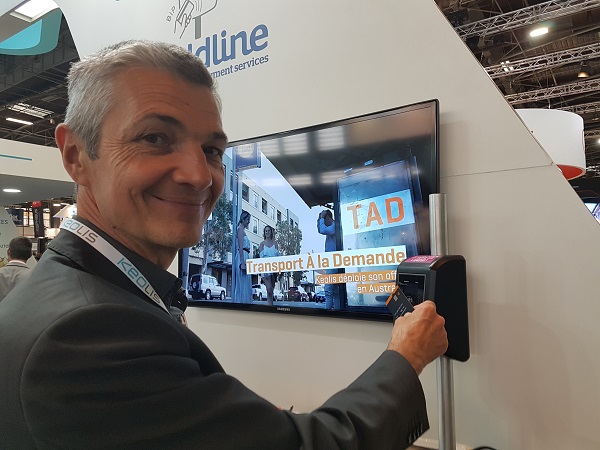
{"x":361,"y":314}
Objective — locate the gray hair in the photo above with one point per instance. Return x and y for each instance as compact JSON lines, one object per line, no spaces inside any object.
{"x":91,"y":82}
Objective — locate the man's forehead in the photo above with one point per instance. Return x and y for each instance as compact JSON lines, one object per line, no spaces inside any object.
{"x":138,"y":79}
{"x":152,"y":88}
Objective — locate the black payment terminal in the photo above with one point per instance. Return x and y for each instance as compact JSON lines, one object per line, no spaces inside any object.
{"x":443,"y":280}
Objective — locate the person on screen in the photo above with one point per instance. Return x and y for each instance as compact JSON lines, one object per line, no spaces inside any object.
{"x":326,"y":226}
{"x":267,"y":249}
{"x":19,"y":251}
{"x":242,"y":288}
{"x":90,"y":355}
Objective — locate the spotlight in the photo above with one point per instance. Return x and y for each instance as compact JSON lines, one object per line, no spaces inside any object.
{"x":538,"y":31}
{"x":24,"y":122}
{"x":584,"y":71}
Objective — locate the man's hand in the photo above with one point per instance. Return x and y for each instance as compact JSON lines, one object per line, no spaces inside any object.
{"x":420,"y":336}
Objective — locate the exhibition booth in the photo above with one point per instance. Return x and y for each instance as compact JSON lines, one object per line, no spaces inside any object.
{"x":290,"y":69}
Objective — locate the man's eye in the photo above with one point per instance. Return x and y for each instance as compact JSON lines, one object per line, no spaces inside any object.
{"x":214,"y":152}
{"x":155,"y":139}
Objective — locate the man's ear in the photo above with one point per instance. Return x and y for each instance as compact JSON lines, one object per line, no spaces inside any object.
{"x":75,"y":159}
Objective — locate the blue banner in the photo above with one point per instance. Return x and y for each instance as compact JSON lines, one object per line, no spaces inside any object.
{"x":16,"y":215}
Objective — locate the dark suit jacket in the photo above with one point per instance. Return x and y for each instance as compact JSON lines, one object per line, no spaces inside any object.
{"x":86,"y":361}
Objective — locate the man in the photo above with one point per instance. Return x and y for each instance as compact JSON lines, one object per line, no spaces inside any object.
{"x":19,"y":251}
{"x":326,"y":227}
{"x":101,"y":362}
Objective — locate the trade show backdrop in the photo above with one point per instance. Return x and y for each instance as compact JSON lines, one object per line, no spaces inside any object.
{"x":531,"y":245}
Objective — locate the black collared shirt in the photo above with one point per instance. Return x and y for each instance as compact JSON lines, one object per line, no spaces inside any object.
{"x":166,"y":285}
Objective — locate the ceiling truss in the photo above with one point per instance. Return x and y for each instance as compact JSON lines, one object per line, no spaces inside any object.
{"x":525,"y":16}
{"x":541,"y":62}
{"x":584,"y":108}
{"x":579,"y":87}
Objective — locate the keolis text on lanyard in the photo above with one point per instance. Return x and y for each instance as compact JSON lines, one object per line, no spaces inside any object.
{"x":113,"y":255}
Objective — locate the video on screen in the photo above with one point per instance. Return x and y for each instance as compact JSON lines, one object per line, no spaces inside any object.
{"x":317,"y":220}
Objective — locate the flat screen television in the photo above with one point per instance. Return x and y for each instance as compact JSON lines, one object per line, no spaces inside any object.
{"x":364,"y":182}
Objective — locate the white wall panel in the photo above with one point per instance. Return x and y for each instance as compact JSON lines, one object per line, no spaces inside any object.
{"x":533,"y":311}
{"x":30,"y":160}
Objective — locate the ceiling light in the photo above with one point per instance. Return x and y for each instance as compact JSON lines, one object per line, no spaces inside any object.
{"x":330,"y":138}
{"x":34,"y":9}
{"x":538,"y":31}
{"x":584,"y":71}
{"x":506,"y":66}
{"x":294,"y":145}
{"x":11,"y":190}
{"x":24,"y":122}
{"x":30,"y":110}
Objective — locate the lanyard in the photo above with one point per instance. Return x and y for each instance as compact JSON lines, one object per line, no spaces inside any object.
{"x":114,"y":256}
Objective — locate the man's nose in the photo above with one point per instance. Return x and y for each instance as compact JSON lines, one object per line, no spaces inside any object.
{"x":192,"y":167}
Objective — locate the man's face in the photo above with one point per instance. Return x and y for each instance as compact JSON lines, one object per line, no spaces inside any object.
{"x":159,"y":170}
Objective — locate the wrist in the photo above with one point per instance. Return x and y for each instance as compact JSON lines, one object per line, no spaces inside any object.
{"x":412,"y":358}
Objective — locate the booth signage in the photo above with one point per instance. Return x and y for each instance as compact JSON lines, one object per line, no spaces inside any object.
{"x":38,"y":218}
{"x":16,"y":215}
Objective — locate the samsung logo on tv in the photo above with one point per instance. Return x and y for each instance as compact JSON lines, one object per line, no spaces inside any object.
{"x":280,"y":308}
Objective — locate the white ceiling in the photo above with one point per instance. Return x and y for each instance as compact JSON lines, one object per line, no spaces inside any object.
{"x":32,"y":189}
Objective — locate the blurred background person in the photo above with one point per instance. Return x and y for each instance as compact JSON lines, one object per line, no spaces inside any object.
{"x":267,"y":249}
{"x":19,"y":251}
{"x":326,"y":227}
{"x":242,"y":290}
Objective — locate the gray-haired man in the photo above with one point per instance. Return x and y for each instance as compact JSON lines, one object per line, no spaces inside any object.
{"x":91,"y":355}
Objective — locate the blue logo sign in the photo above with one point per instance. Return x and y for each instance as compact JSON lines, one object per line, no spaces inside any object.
{"x":16,"y":215}
{"x":220,"y":48}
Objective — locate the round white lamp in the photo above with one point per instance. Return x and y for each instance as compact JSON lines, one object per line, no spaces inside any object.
{"x":560,"y":133}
